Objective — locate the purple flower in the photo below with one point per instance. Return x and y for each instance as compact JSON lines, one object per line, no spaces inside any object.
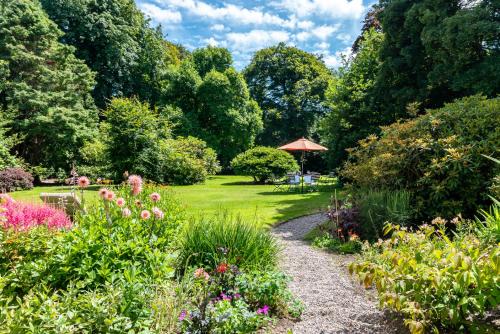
{"x":237,"y":295}
{"x":263,"y":310}
{"x":225,"y":297}
{"x":182,"y":316}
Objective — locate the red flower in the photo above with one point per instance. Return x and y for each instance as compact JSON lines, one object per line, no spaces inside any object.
{"x":222,"y":268}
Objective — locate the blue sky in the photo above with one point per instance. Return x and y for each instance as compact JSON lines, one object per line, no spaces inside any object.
{"x":326,"y":27}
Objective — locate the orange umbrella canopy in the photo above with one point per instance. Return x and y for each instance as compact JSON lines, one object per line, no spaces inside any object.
{"x":302,"y":144}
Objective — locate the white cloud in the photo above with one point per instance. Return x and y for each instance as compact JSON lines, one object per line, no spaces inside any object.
{"x":211,"y":41}
{"x":256,"y":39}
{"x":230,"y":12}
{"x":306,"y":25}
{"x":323,"y":45}
{"x":345,"y":9}
{"x":335,"y":60}
{"x":217,"y":27}
{"x":321,"y":32}
{"x":344,"y":38}
{"x":159,"y":14}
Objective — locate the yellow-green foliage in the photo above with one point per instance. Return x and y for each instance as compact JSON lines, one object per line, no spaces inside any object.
{"x":435,"y":281}
{"x":436,"y":156}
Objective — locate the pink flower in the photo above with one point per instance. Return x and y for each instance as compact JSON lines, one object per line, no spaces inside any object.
{"x":120,"y":201}
{"x":126,"y":212}
{"x":158,"y":213}
{"x":83,"y":182}
{"x":145,"y":214}
{"x":155,"y":197}
{"x":110,"y":195}
{"x":103,"y":192}
{"x":201,"y":273}
{"x":263,"y":310}
{"x":183,"y":315}
{"x":135,"y":182}
{"x":22,"y":216}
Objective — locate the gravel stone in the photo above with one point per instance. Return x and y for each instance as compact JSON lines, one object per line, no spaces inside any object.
{"x":334,"y":303}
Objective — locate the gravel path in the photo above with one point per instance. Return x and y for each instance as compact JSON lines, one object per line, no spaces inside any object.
{"x":334,"y":303}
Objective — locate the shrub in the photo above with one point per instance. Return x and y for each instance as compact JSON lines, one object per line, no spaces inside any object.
{"x":179,"y":161}
{"x":377,"y":207}
{"x":242,"y":244}
{"x":436,"y":156}
{"x":435,"y":281}
{"x":262,"y":163}
{"x":12,"y":179}
{"x":22,"y":216}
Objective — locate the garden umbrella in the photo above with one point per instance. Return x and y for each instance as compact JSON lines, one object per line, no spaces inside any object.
{"x":303,"y":145}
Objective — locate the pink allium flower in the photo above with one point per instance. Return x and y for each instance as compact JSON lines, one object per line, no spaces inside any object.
{"x":155,"y":197}
{"x":120,"y":201}
{"x":110,"y":195}
{"x":158,"y":213}
{"x":135,"y":181}
{"x":83,"y":182}
{"x":126,"y":212}
{"x":145,"y":214}
{"x":103,"y":192}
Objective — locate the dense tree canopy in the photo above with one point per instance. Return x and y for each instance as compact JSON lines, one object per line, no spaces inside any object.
{"x":351,"y":117}
{"x":216,"y":105}
{"x":289,"y":85}
{"x":45,"y":89}
{"x":211,"y":58}
{"x":115,"y":40}
{"x":435,"y":51}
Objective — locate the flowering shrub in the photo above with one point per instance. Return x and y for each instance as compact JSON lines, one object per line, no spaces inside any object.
{"x":435,"y":281}
{"x":97,"y":277}
{"x":228,"y":300}
{"x":23,"y":216}
{"x":436,"y":156}
{"x":12,"y":179}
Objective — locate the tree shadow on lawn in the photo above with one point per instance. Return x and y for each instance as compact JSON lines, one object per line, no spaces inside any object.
{"x":296,"y":207}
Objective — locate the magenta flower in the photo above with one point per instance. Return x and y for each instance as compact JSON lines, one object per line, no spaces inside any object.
{"x":158,"y":213}
{"x":120,"y":201}
{"x":155,"y":197}
{"x":182,"y":315}
{"x":201,"y":273}
{"x":145,"y":214}
{"x":135,"y":181}
{"x":263,"y":310}
{"x":83,"y":182}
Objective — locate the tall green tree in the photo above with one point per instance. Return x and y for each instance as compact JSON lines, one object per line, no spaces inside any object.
{"x":435,"y":51}
{"x":351,"y":117}
{"x":211,"y":58}
{"x":216,"y":108}
{"x":290,"y":86}
{"x":115,"y":40}
{"x":45,"y":89}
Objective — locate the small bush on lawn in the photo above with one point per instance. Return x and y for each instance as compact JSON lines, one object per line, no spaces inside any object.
{"x":262,"y":163}
{"x":435,"y":281}
{"x":178,"y":161}
{"x":436,"y":156}
{"x":12,"y":179}
{"x":206,"y":242}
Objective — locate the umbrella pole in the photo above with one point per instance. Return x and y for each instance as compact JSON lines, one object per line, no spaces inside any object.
{"x":302,"y":172}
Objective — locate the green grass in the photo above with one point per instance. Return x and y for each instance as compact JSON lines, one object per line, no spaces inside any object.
{"x":235,"y":194}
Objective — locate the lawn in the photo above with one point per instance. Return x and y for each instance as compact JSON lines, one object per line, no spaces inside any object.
{"x":235,"y":194}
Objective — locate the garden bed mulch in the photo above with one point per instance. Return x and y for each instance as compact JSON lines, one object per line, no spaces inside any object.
{"x":334,"y":303}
